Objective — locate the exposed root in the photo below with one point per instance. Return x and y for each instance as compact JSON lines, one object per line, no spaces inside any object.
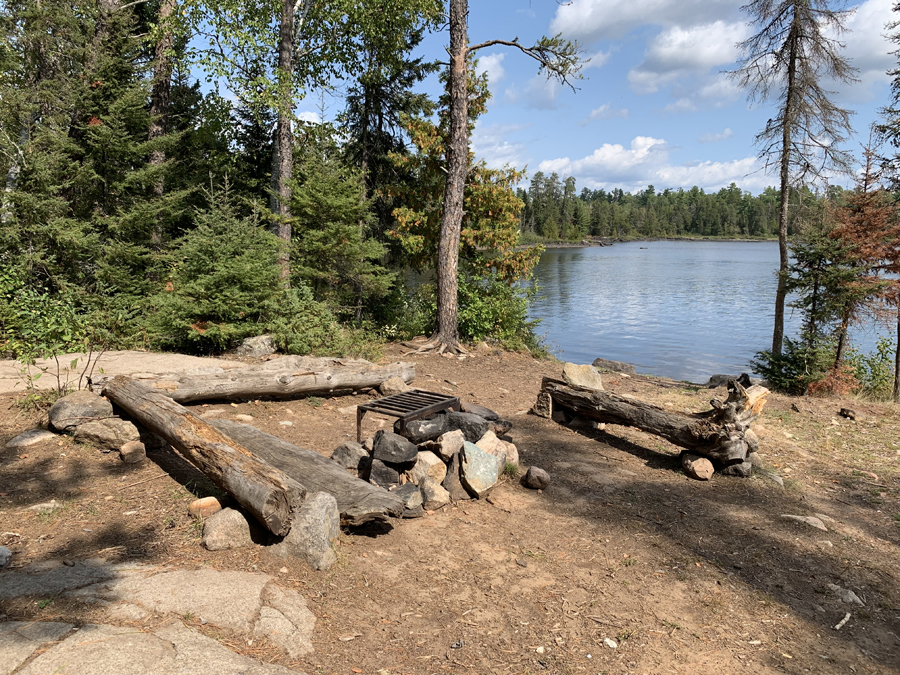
{"x":435,"y":344}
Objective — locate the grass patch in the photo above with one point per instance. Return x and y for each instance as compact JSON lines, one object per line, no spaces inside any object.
{"x":511,"y":470}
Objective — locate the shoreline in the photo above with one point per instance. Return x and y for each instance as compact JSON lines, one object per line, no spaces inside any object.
{"x":610,"y":241}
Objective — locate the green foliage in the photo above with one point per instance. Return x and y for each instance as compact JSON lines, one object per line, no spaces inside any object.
{"x":874,"y":371}
{"x":798,"y":366}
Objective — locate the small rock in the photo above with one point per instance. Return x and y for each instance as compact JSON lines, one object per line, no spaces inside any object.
{"x":240,"y":417}
{"x":845,"y":595}
{"x":383,"y":475}
{"x":433,"y":495}
{"x":108,"y":434}
{"x":449,"y":444}
{"x":500,"y":427}
{"x":743,"y":469}
{"x":369,"y":444}
{"x":30,"y":437}
{"x":824,"y":543}
{"x":812,"y":521}
{"x":452,"y":483}
{"x":133,"y":452}
{"x":419,"y":431}
{"x":428,"y":465}
{"x":478,"y":470}
{"x":392,"y":448}
{"x":614,"y":366}
{"x":349,"y":410}
{"x":696,"y":466}
{"x":393,"y":385}
{"x":212,"y":412}
{"x":351,"y":455}
{"x":472,"y":426}
{"x":536,"y":478}
{"x":5,"y":556}
{"x":259,"y":346}
{"x":226,"y":529}
{"x":78,"y":408}
{"x":410,"y":494}
{"x":774,"y":477}
{"x":205,"y":507}
{"x":480,"y":410}
{"x":582,"y":376}
{"x":286,"y":423}
{"x":313,"y":534}
{"x":45,"y":507}
{"x":416,"y":512}
{"x":610,"y":643}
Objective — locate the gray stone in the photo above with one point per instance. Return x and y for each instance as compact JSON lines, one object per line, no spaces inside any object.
{"x":433,"y":495}
{"x":582,"y":376}
{"x":30,"y":437}
{"x":449,"y":444}
{"x":419,"y":431}
{"x":259,"y":346}
{"x":410,"y":494}
{"x":845,"y":595}
{"x":416,"y":512}
{"x":172,"y":650}
{"x":494,"y":446}
{"x":479,"y":471}
{"x":774,"y":477}
{"x":351,"y":455}
{"x":225,"y":530}
{"x":5,"y":556}
{"x":614,"y":366}
{"x":472,"y":426}
{"x":500,"y":427}
{"x":126,"y":611}
{"x":313,"y":534}
{"x":742,"y":470}
{"x":699,"y":468}
{"x":536,"y":478}
{"x":133,"y":452}
{"x":452,"y":483}
{"x":480,"y":410}
{"x":292,"y":627}
{"x":45,"y":507}
{"x":108,"y":434}
{"x":78,"y":408}
{"x":19,"y":640}
{"x":812,"y":521}
{"x":393,"y":448}
{"x":383,"y":475}
{"x":428,"y":465}
{"x":393,"y":385}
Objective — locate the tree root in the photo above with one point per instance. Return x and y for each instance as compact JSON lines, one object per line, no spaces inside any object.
{"x":435,"y":344}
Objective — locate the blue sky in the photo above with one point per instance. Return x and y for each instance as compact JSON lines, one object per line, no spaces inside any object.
{"x":654,"y":107}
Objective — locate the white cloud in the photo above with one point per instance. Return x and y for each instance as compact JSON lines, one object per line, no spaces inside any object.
{"x":715,"y":138}
{"x":492,"y":64}
{"x":678,"y":52}
{"x":604,"y":112}
{"x":597,"y":60}
{"x":647,"y":161}
{"x":539,"y":94}
{"x":309,"y":116}
{"x":868,"y":49}
{"x":491,"y":143}
{"x":590,"y":20}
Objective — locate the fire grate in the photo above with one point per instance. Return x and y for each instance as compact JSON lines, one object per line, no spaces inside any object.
{"x":407,"y":406}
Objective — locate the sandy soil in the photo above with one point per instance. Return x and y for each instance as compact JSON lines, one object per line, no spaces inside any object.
{"x":684,"y":576}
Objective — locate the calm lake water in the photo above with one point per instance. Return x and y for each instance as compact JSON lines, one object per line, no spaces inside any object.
{"x":679,"y":309}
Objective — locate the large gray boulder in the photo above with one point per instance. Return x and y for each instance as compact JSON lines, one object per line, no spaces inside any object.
{"x":582,"y":376}
{"x":479,"y":471}
{"x":352,"y":456}
{"x":313,"y":534}
{"x":393,"y":448}
{"x":472,"y":426}
{"x":77,"y":408}
{"x":258,"y":347}
{"x":419,"y":431}
{"x":108,"y":434}
{"x":614,"y":366}
{"x":383,"y":475}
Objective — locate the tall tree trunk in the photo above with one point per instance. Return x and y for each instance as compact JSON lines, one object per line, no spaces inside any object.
{"x":784,"y":258}
{"x":283,"y":154}
{"x":454,"y":191}
{"x":12,"y":177}
{"x":897,"y":361}
{"x":159,"y":106}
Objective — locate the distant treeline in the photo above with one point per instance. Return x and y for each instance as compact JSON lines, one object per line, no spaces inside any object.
{"x":555,"y":210}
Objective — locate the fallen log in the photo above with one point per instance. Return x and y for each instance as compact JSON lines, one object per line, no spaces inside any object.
{"x":284,"y":377}
{"x":721,"y":434}
{"x":358,"y":501}
{"x":267,"y":493}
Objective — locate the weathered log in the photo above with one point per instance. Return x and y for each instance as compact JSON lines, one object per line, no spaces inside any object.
{"x":358,"y":501}
{"x":718,"y":434}
{"x":267,"y":493}
{"x":284,"y":377}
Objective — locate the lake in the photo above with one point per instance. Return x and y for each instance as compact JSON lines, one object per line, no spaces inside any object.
{"x":679,"y":309}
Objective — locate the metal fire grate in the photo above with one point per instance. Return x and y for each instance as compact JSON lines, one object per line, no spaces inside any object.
{"x":408,"y":406}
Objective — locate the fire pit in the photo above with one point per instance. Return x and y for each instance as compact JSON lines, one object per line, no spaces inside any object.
{"x":407,"y":406}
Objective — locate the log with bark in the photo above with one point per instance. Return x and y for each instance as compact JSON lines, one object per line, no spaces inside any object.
{"x":721,"y":434}
{"x":266,"y":492}
{"x":358,"y":501}
{"x":284,"y":377}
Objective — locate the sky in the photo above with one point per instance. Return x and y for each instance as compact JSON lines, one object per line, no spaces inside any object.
{"x":654,"y":107}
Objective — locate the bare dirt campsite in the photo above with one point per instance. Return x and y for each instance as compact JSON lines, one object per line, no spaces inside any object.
{"x":622,"y":565}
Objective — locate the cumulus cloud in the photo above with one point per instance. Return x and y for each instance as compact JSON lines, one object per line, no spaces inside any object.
{"x":309,"y":116}
{"x":604,"y":112}
{"x":597,"y":60}
{"x":492,"y":64}
{"x":491,"y":143}
{"x":868,"y":49}
{"x":539,"y":93}
{"x":590,"y":20}
{"x":716,"y":138}
{"x":647,"y":161}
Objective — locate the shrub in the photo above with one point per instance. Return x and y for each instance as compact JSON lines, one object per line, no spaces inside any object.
{"x":875,"y":371}
{"x":798,"y":365}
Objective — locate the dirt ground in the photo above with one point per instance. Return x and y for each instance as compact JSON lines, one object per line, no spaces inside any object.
{"x":684,"y":576}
